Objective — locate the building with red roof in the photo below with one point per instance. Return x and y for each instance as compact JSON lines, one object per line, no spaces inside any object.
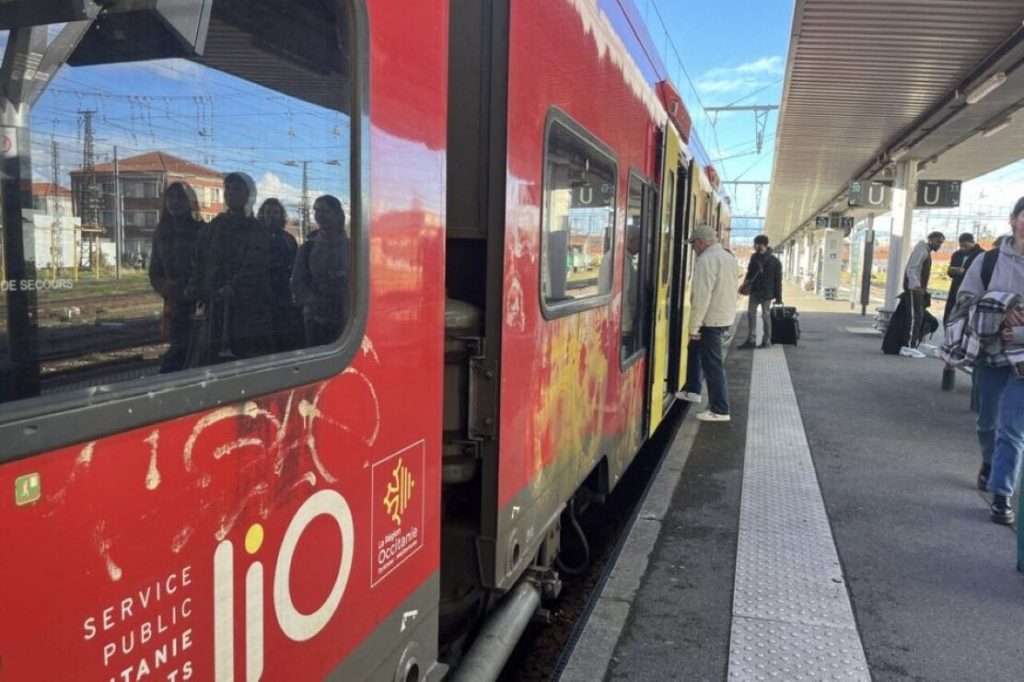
{"x":142,"y":181}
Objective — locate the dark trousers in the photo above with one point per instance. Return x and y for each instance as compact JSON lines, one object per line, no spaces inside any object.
{"x":178,"y":336}
{"x":915,"y":309}
{"x":705,"y":362}
{"x":766,"y":318}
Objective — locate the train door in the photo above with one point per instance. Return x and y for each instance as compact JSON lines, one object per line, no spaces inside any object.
{"x":696,"y":210}
{"x":660,"y":389}
{"x":679,"y":304}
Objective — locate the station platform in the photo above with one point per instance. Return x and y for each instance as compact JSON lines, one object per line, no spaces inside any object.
{"x":832,"y":530}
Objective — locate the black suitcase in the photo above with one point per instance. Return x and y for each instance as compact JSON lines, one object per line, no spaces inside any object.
{"x":897,"y":332}
{"x":785,"y":324}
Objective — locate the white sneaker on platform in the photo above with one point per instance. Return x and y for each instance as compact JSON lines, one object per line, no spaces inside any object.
{"x":909,"y":352}
{"x":688,"y":397}
{"x":709,"y":416}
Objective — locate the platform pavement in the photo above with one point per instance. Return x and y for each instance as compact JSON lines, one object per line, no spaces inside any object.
{"x":932,"y":582}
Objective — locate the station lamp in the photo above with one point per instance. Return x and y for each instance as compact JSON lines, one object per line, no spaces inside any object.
{"x":986,"y":87}
{"x":994,"y":127}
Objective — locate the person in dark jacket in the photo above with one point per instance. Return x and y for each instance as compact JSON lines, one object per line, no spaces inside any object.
{"x":230,"y":282}
{"x":763,"y":284}
{"x":915,"y":290}
{"x":287,"y":314}
{"x":170,"y":265}
{"x":958,"y":266}
{"x":322,"y":273}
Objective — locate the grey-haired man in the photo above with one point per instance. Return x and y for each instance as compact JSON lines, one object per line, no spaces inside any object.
{"x":713,"y":309}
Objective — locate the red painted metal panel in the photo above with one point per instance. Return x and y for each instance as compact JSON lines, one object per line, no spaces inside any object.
{"x":563,"y":389}
{"x":275,"y":534}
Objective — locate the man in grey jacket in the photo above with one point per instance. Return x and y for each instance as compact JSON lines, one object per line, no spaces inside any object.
{"x":915,"y":288}
{"x":713,"y":309}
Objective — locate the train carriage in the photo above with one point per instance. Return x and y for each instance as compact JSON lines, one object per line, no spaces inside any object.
{"x":518,"y":178}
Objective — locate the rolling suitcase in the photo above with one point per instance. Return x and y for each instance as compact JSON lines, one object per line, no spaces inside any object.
{"x":785,"y":325}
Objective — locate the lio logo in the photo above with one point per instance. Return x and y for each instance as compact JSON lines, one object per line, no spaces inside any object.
{"x":296,"y":626}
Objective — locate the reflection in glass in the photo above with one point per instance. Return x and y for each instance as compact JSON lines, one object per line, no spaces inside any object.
{"x":579,"y":212}
{"x":93,"y":275}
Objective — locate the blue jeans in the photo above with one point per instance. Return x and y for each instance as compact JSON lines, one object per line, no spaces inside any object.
{"x":1000,"y":426}
{"x":704,"y":360}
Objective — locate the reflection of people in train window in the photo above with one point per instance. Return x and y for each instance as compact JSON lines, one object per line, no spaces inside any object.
{"x":321,"y":276}
{"x":170,"y":265}
{"x":287,"y":315}
{"x":230,"y":283}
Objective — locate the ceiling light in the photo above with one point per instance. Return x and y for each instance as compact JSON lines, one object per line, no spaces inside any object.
{"x":987,"y":86}
{"x":995,"y":127}
{"x":900,"y":154}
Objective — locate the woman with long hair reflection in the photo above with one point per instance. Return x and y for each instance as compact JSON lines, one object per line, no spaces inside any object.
{"x":320,"y":279}
{"x":287,"y":314}
{"x":170,"y":265}
{"x":229,"y":282}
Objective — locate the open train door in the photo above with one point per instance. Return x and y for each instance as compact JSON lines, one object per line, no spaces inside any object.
{"x":661,"y":384}
{"x":679,"y":316}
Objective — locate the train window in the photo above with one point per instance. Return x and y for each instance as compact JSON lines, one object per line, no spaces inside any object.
{"x":641,"y":210}
{"x":184,"y":184}
{"x":578,"y":220}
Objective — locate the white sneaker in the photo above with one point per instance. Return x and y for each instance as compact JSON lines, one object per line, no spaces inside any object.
{"x":709,"y":416}
{"x":909,"y":352}
{"x":688,"y":397}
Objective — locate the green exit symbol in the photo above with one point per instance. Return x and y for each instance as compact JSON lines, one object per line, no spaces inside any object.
{"x":27,"y":489}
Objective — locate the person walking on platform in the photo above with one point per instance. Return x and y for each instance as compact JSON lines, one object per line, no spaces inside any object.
{"x":763,"y":284}
{"x":959,"y":264}
{"x":915,"y":291}
{"x":713,"y":309}
{"x":1000,"y":382}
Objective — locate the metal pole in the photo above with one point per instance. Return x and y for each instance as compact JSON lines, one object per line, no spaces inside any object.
{"x":868,"y":263}
{"x":904,"y":196}
{"x":499,"y":636}
{"x":305,"y":199}
{"x":118,"y":231}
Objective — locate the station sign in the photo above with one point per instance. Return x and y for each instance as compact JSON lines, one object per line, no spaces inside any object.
{"x":876,"y":194}
{"x":938,"y":194}
{"x":834,"y":220}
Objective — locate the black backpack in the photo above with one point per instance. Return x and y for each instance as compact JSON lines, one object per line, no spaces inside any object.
{"x":988,"y":266}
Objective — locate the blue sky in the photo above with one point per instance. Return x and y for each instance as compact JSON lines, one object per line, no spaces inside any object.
{"x":733,"y":52}
{"x":198,"y":114}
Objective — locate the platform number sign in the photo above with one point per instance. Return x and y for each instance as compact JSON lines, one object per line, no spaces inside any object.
{"x":821,"y":221}
{"x":876,"y":194}
{"x":938,"y":194}
{"x":27,"y":489}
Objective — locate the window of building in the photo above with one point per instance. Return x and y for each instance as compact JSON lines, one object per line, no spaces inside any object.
{"x":255,"y":99}
{"x":641,"y":209}
{"x":578,"y":218}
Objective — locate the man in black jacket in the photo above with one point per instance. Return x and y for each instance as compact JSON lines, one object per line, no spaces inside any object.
{"x":762,"y":284}
{"x":959,"y":263}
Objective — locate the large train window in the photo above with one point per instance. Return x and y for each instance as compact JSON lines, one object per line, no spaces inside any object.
{"x":181,"y":193}
{"x":637,"y":280}
{"x":578,"y":219}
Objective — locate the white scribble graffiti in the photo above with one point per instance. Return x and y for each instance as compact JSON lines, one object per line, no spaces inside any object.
{"x":153,"y":474}
{"x":103,"y":547}
{"x":281,"y":433}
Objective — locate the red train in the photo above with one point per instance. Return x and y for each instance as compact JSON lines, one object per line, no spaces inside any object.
{"x":519,"y":178}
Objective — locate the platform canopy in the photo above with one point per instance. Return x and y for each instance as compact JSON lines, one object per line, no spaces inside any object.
{"x":873,"y":82}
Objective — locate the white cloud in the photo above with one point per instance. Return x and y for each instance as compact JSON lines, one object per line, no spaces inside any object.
{"x":744,"y":77}
{"x":271,"y":185}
